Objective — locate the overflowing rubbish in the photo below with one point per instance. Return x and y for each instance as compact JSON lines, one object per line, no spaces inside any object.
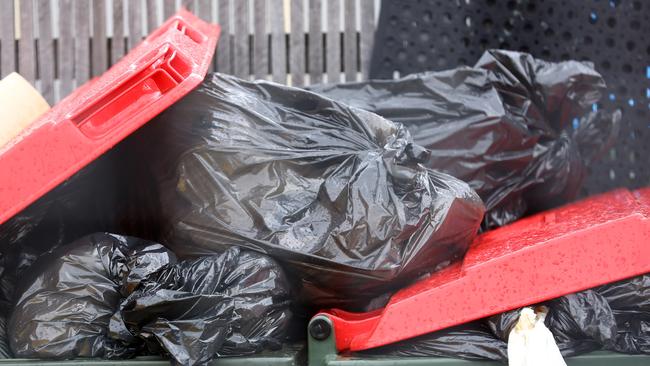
{"x":337,"y":194}
{"x":66,"y":299}
{"x":233,"y":304}
{"x":115,"y":297}
{"x":505,"y":126}
{"x":277,"y":199}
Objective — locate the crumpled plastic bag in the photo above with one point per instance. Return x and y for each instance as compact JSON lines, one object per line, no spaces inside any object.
{"x":233,"y":304}
{"x":531,"y":343}
{"x":99,"y":198}
{"x":630,"y":303}
{"x":613,"y":317}
{"x":66,"y":299}
{"x":6,"y":286}
{"x":111,"y":296}
{"x":337,"y":194}
{"x":504,"y":126}
{"x":471,"y":341}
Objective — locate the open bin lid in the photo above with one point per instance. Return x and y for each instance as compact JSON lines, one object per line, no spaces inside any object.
{"x":598,"y":240}
{"x":167,"y":65}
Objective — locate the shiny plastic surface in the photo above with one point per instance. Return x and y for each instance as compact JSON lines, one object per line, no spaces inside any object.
{"x":504,"y":126}
{"x":234,"y":304}
{"x":334,"y":193}
{"x":163,"y":68}
{"x":65,"y":300}
{"x":115,"y":297}
{"x":592,"y":242}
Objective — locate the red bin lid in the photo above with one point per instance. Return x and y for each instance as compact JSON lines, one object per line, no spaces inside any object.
{"x":167,"y":65}
{"x":581,"y":245}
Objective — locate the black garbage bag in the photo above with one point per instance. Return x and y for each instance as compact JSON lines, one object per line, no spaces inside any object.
{"x":503,"y":126}
{"x":6,"y":286}
{"x":66,"y":299}
{"x":472,"y":341}
{"x":233,"y":304}
{"x":581,"y":322}
{"x":98,"y":198}
{"x":613,"y":317}
{"x":337,"y":194}
{"x":630,"y":303}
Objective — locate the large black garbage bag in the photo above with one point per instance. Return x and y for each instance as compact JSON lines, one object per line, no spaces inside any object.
{"x":335,"y":193}
{"x":614,"y":317}
{"x":236,"y":303}
{"x":66,"y":299}
{"x":503,"y":126}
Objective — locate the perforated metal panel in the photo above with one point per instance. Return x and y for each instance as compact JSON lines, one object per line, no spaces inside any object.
{"x":419,"y":35}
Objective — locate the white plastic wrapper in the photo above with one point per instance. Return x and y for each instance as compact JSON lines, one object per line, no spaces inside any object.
{"x":531,"y":344}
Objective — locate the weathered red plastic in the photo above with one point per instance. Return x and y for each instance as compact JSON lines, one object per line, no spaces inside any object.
{"x":167,"y":65}
{"x":602,"y":239}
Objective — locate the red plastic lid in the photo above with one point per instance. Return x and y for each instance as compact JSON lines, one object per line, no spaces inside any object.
{"x":166,"y":66}
{"x":585,"y":244}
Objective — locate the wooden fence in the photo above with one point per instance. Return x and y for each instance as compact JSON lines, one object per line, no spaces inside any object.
{"x":59,"y":44}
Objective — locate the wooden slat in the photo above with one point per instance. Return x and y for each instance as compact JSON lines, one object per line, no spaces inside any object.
{"x":82,"y":41}
{"x":260,"y":41}
{"x":169,"y":8}
{"x":297,"y":43}
{"x":117,"y":44}
{"x":26,"y":49}
{"x":74,"y":59}
{"x":367,"y":12}
{"x":45,"y":58}
{"x":223,"y":55}
{"x":191,"y":6}
{"x":241,"y":59}
{"x":278,"y":42}
{"x":135,"y":23}
{"x":152,"y":16}
{"x":99,"y":43}
{"x":333,"y":51}
{"x":7,"y":38}
{"x":204,"y":10}
{"x":315,"y":42}
{"x":66,"y":49}
{"x":350,"y":41}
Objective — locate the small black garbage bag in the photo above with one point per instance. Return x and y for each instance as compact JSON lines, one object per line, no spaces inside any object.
{"x":336,"y":193}
{"x":504,"y":126}
{"x":233,"y":304}
{"x":66,"y":299}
